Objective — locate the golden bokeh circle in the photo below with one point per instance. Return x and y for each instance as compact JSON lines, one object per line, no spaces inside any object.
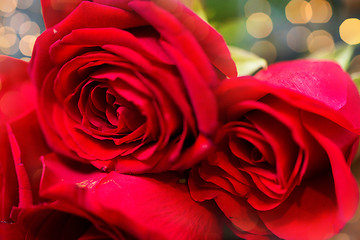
{"x":350,"y":31}
{"x":259,"y":25}
{"x":298,"y":11}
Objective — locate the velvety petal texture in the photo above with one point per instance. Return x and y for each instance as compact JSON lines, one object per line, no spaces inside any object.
{"x":56,"y":10}
{"x":146,"y":207}
{"x":281,"y":167}
{"x":128,"y":85}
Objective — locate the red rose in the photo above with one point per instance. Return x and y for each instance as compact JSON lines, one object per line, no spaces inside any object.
{"x":78,"y":201}
{"x":282,"y":163}
{"x":127,"y":85}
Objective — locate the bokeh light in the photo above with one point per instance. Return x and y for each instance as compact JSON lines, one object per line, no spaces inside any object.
{"x":341,"y":236}
{"x":29,"y":28}
{"x":355,"y":68}
{"x":17,"y":19}
{"x":25,"y":4}
{"x":8,"y":40}
{"x":7,"y":37}
{"x":259,"y":25}
{"x":296,"y":38}
{"x":20,"y":23}
{"x":320,"y":40}
{"x":8,"y":6}
{"x":254,"y":6}
{"x":26,"y":44}
{"x":265,"y":49}
{"x":298,"y":11}
{"x":321,"y":11}
{"x":350,"y":31}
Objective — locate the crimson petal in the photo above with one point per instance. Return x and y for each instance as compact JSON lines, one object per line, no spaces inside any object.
{"x":146,"y":207}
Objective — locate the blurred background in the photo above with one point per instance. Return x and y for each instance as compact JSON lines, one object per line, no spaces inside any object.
{"x":20,"y":23}
{"x":280,"y":29}
{"x":273,"y":29}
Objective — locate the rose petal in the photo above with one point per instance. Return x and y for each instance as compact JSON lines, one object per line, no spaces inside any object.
{"x":93,"y":15}
{"x":81,"y":39}
{"x":346,"y":187}
{"x":174,"y":33}
{"x":310,"y":212}
{"x":56,"y":10}
{"x":325,"y":81}
{"x":20,"y":167}
{"x":55,"y":220}
{"x":320,"y":206}
{"x":204,"y":104}
{"x":86,"y":15}
{"x":241,"y":214}
{"x":20,"y":164}
{"x":237,"y":210}
{"x":143,"y":206}
{"x":210,"y":40}
{"x":123,"y":4}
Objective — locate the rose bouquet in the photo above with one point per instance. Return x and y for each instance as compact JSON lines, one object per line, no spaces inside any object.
{"x":131,"y":122}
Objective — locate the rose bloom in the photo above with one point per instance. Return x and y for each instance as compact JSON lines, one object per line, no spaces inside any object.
{"x":127,"y":85}
{"x":282,"y":163}
{"x":47,"y":196}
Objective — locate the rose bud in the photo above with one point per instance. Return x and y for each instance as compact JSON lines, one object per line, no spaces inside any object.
{"x":281,"y":167}
{"x":127,"y":85}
